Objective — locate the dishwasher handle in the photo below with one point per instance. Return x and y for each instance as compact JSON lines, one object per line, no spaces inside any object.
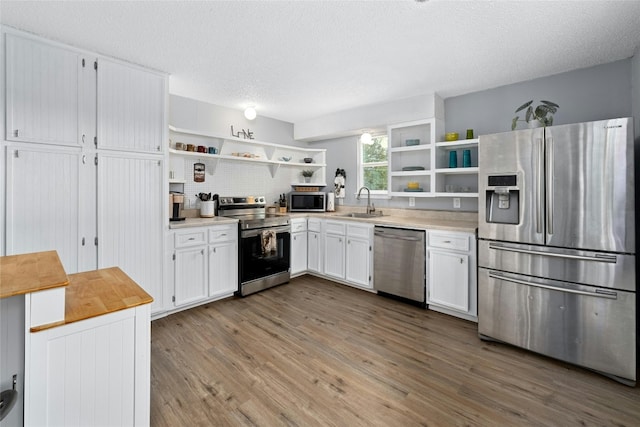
{"x":396,"y":236}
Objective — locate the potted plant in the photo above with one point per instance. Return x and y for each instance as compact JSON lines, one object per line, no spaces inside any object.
{"x":307,"y":174}
{"x":542,"y":115}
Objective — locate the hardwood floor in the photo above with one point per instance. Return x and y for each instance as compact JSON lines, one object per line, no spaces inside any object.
{"x":316,"y":353}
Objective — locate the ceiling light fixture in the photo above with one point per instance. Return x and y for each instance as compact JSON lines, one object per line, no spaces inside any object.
{"x":250,"y":113}
{"x":366,"y":138}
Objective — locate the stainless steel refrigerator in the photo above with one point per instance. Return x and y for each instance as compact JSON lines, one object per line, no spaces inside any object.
{"x":556,"y":249}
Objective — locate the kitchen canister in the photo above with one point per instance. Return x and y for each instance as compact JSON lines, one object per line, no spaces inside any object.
{"x":208,"y":209}
{"x":466,"y":159}
{"x":453,"y":159}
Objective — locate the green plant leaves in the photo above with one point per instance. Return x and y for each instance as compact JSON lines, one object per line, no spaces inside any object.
{"x":543,"y":112}
{"x":525,"y":105}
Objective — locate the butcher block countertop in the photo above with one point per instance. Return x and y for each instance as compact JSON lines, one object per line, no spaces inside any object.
{"x":95,"y":293}
{"x":392,"y":217}
{"x":407,"y":218}
{"x":23,"y":274}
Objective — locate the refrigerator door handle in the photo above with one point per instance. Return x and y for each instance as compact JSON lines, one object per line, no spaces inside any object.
{"x":598,"y":293}
{"x":598,"y":257}
{"x":539,"y":185}
{"x":550,"y":184}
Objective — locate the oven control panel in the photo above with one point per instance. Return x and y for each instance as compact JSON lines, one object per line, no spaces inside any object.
{"x":239,"y":201}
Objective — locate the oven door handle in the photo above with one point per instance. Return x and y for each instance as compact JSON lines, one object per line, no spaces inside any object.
{"x":258,"y":231}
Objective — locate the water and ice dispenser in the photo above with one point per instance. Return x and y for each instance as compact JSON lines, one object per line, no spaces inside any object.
{"x":502,"y":199}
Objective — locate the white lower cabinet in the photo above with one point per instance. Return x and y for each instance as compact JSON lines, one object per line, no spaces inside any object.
{"x":92,"y":372}
{"x":191,"y":275}
{"x":359,"y":255}
{"x":314,"y":245}
{"x":347,"y":252}
{"x":298,"y":260}
{"x":223,"y":261}
{"x":451,"y":283}
{"x":206,"y":264}
{"x":334,"y":249}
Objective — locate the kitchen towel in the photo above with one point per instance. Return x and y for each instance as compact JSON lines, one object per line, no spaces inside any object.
{"x":269,"y":242}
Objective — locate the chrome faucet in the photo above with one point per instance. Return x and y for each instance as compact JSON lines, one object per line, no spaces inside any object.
{"x":370,"y":207}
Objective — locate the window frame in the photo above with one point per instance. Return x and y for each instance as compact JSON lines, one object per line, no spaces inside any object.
{"x":375,"y":194}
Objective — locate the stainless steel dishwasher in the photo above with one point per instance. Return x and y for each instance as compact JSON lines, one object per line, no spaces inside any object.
{"x":399,"y":263}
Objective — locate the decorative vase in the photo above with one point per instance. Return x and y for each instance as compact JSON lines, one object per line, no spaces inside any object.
{"x":535,"y":123}
{"x":307,"y":179}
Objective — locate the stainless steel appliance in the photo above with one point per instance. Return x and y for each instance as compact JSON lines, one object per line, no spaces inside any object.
{"x":264,"y":243}
{"x":556,"y":252}
{"x":307,"y":201}
{"x":399,"y":263}
{"x":176,"y":201}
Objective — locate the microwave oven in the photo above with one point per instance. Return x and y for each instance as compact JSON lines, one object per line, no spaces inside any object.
{"x":307,"y":201}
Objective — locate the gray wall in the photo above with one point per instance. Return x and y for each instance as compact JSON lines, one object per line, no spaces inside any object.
{"x":635,"y":95}
{"x":201,"y":116}
{"x":595,"y":93}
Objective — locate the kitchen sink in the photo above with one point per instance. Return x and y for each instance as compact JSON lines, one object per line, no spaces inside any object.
{"x":361,"y":215}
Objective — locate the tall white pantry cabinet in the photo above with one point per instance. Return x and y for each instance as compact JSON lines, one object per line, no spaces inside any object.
{"x":84,"y":158}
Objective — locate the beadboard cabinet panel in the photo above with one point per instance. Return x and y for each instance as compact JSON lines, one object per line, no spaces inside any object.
{"x":130,"y":219}
{"x":130,"y":108}
{"x":44,"y":217}
{"x":90,"y":373}
{"x":41,"y":92}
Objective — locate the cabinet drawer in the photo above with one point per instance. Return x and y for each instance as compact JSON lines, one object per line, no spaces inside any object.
{"x":190,"y":238}
{"x":457,"y":242}
{"x":298,"y":225}
{"x":357,"y":230}
{"x":332,"y":227}
{"x":222,"y":234}
{"x":314,"y":224}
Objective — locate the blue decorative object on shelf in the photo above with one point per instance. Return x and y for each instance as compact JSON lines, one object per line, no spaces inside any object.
{"x":466,"y":159}
{"x":453,"y":159}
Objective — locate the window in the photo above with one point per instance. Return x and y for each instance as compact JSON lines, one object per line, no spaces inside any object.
{"x":373,"y":164}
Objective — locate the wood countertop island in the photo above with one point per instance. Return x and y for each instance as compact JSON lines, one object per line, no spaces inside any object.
{"x":27,"y":273}
{"x":95,"y":293}
{"x":86,"y":342}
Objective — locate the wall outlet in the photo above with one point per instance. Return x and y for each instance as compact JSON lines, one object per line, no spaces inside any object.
{"x":412,"y":201}
{"x":456,"y":202}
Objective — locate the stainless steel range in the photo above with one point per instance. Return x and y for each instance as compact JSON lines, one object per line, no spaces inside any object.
{"x":264,"y":249}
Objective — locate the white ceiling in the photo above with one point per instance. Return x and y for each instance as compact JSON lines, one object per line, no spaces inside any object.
{"x":297,"y":60}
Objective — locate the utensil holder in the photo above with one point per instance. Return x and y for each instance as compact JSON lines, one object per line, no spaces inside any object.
{"x":207,"y":209}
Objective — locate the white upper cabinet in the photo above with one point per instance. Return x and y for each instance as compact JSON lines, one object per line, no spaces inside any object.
{"x":42,"y":92}
{"x":130,"y":108}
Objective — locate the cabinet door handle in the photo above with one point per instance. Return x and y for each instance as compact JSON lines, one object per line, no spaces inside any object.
{"x":202,"y":251}
{"x":16,"y":133}
{"x":461,"y":261}
{"x":446,"y":241}
{"x":192,"y":238}
{"x":83,"y":138}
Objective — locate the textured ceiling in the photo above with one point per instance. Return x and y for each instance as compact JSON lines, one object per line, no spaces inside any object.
{"x":297,"y":60}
